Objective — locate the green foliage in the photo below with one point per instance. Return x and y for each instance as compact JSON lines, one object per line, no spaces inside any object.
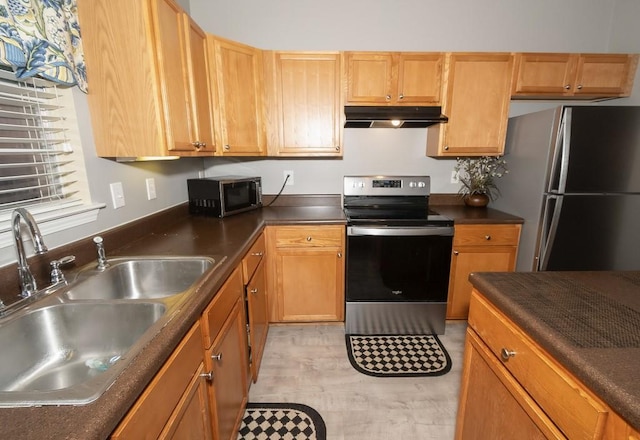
{"x":478,"y":175}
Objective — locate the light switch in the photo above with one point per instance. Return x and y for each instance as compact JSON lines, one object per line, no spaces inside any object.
{"x":151,"y":188}
{"x":117,"y":195}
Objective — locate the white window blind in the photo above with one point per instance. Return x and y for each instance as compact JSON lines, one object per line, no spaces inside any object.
{"x":41,"y":163}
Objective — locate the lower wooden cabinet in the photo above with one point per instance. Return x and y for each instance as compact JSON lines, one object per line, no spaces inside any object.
{"x":478,"y":248}
{"x":308,"y":273}
{"x":512,"y":388}
{"x":254,"y":276}
{"x":191,"y":419}
{"x":492,"y":403}
{"x":174,"y":405}
{"x":227,"y":360}
{"x":225,"y":343}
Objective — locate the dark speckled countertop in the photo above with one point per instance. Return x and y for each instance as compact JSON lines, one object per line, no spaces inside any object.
{"x":588,"y":321}
{"x":176,"y":234}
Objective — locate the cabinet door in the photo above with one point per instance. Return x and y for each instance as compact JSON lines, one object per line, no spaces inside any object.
{"x":240,"y":97}
{"x":306,"y":104}
{"x":370,"y":78}
{"x":604,"y":75}
{"x":191,"y":420}
{"x":493,"y":405}
{"x":202,"y":90}
{"x":172,"y":61}
{"x":548,"y":74}
{"x":478,"y":92}
{"x":258,"y":317}
{"x":227,"y":359}
{"x":419,"y":78}
{"x":162,"y":399}
{"x":310,"y":284}
{"x":467,"y":259}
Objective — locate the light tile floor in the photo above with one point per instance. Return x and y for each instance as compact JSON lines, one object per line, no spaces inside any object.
{"x":308,"y":364}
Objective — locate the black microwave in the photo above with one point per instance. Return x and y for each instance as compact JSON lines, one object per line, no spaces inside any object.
{"x":225,"y":195}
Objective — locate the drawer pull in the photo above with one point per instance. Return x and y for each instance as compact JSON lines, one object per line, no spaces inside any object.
{"x":216,"y":357}
{"x":254,"y":291}
{"x":487,"y":237}
{"x":309,"y":238}
{"x":456,"y":253}
{"x":256,"y":254}
{"x":506,"y":354}
{"x":208,"y":376}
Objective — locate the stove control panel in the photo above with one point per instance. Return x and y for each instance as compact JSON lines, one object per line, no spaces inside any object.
{"x":387,"y":185}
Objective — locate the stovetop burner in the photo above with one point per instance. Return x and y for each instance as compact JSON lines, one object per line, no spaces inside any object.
{"x":390,"y":201}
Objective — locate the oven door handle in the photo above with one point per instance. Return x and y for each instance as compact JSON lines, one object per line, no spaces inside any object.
{"x":403,"y":231}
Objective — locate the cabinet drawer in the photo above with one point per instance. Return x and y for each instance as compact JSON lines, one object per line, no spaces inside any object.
{"x":566,"y":401}
{"x":291,"y":236}
{"x":153,"y":409}
{"x":499,"y":235}
{"x":252,"y":259}
{"x":217,"y":311}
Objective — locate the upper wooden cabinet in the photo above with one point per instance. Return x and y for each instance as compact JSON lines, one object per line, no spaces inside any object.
{"x":304,"y":103}
{"x":147,"y":93}
{"x":476,"y":99}
{"x":384,"y":78}
{"x":575,"y":76}
{"x":238,"y":76}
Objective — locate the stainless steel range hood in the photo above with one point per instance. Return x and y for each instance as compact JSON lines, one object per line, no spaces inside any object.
{"x":358,"y":116}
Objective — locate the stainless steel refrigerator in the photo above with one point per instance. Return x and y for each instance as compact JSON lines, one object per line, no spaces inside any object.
{"x":574,"y":176}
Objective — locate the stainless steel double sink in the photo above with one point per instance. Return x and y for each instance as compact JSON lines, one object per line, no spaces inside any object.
{"x":69,"y":347}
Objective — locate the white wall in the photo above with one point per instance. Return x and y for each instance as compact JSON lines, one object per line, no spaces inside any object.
{"x":420,"y":25}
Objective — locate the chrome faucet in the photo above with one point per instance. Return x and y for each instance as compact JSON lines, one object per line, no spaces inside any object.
{"x":103,"y":263}
{"x":27,"y":281}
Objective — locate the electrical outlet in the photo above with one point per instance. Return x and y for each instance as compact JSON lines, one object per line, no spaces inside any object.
{"x":151,"y":188}
{"x":289,"y":173}
{"x":117,"y":195}
{"x":454,"y":177}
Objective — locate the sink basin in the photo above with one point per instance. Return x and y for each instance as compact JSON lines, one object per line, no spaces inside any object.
{"x":70,"y":353}
{"x":141,"y":278}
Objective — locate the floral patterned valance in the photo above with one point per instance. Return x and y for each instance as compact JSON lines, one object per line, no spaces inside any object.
{"x":42,"y":37}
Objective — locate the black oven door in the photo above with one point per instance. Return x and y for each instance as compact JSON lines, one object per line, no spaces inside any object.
{"x":398,"y":264}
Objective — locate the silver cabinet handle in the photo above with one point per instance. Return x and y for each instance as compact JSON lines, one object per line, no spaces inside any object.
{"x":227,"y":147}
{"x":254,"y":291}
{"x":388,"y":97}
{"x":401,"y":96}
{"x":309,"y":238}
{"x":337,"y":147}
{"x":446,"y":148}
{"x":339,"y":254}
{"x":257,"y":254}
{"x":208,"y":376}
{"x":506,"y":354}
{"x":455,"y":252}
{"x":487,"y":237}
{"x":579,"y":86}
{"x":216,"y":357}
{"x":567,"y":87}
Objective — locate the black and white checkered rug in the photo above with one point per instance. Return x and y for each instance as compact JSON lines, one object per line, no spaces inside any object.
{"x":402,"y":355}
{"x":281,"y":421}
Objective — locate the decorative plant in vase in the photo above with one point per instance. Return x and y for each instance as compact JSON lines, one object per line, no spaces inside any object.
{"x":478,"y":175}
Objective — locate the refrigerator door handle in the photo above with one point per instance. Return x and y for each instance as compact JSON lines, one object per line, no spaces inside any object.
{"x":548,"y":236}
{"x":564,"y":150}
